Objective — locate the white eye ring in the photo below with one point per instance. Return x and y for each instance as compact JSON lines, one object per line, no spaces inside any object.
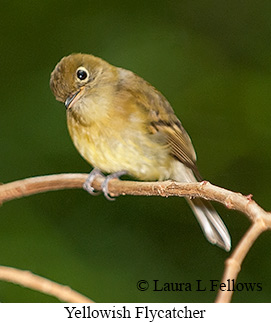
{"x":82,"y":74}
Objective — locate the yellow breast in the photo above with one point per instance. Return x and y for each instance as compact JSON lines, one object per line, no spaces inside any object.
{"x":114,"y":144}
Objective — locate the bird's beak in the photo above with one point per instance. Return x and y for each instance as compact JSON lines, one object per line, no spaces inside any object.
{"x":72,"y":98}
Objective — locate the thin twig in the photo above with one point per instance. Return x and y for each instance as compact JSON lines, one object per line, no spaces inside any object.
{"x":27,"y":279}
{"x":234,"y":262}
{"x":260,"y":218}
{"x":206,"y":190}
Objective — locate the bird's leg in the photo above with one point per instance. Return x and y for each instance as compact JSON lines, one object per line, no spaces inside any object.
{"x":88,"y":183}
{"x":96,"y":172}
{"x":107,"y":179}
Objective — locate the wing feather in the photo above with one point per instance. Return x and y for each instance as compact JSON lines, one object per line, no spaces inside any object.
{"x":160,"y":117}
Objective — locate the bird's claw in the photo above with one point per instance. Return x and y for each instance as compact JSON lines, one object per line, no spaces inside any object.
{"x":106,"y":181}
{"x":95,"y":172}
{"x":88,"y":183}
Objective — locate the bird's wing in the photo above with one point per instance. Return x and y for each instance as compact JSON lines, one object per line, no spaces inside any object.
{"x":179,"y":142}
{"x":160,"y":118}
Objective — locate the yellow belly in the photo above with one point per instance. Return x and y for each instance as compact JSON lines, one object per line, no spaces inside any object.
{"x":112,"y":149}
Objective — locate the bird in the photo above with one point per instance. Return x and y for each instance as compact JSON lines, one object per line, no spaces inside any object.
{"x":121,"y":124}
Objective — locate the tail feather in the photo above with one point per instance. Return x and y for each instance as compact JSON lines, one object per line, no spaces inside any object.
{"x":211,"y":224}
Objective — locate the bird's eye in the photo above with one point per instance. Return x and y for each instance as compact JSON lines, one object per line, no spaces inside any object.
{"x":82,"y":73}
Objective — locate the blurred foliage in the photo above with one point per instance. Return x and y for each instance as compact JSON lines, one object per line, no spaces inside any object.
{"x":212,"y":60}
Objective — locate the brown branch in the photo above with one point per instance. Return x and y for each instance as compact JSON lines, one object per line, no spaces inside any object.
{"x":234,"y":262}
{"x":260,"y":218}
{"x":27,"y":279}
{"x":206,"y":190}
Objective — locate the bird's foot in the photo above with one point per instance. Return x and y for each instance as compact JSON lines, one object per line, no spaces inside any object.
{"x":107,"y":179}
{"x":88,"y":183}
{"x":96,"y":172}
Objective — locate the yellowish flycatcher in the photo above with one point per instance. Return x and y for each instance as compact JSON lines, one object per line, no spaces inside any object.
{"x":121,"y":124}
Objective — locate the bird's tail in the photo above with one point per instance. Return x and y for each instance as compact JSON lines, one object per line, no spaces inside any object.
{"x":211,"y":224}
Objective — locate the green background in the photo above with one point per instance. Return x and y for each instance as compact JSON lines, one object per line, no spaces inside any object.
{"x":211,"y":59}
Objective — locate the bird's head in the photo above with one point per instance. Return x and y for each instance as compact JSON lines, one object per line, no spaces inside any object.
{"x":76,"y":75}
